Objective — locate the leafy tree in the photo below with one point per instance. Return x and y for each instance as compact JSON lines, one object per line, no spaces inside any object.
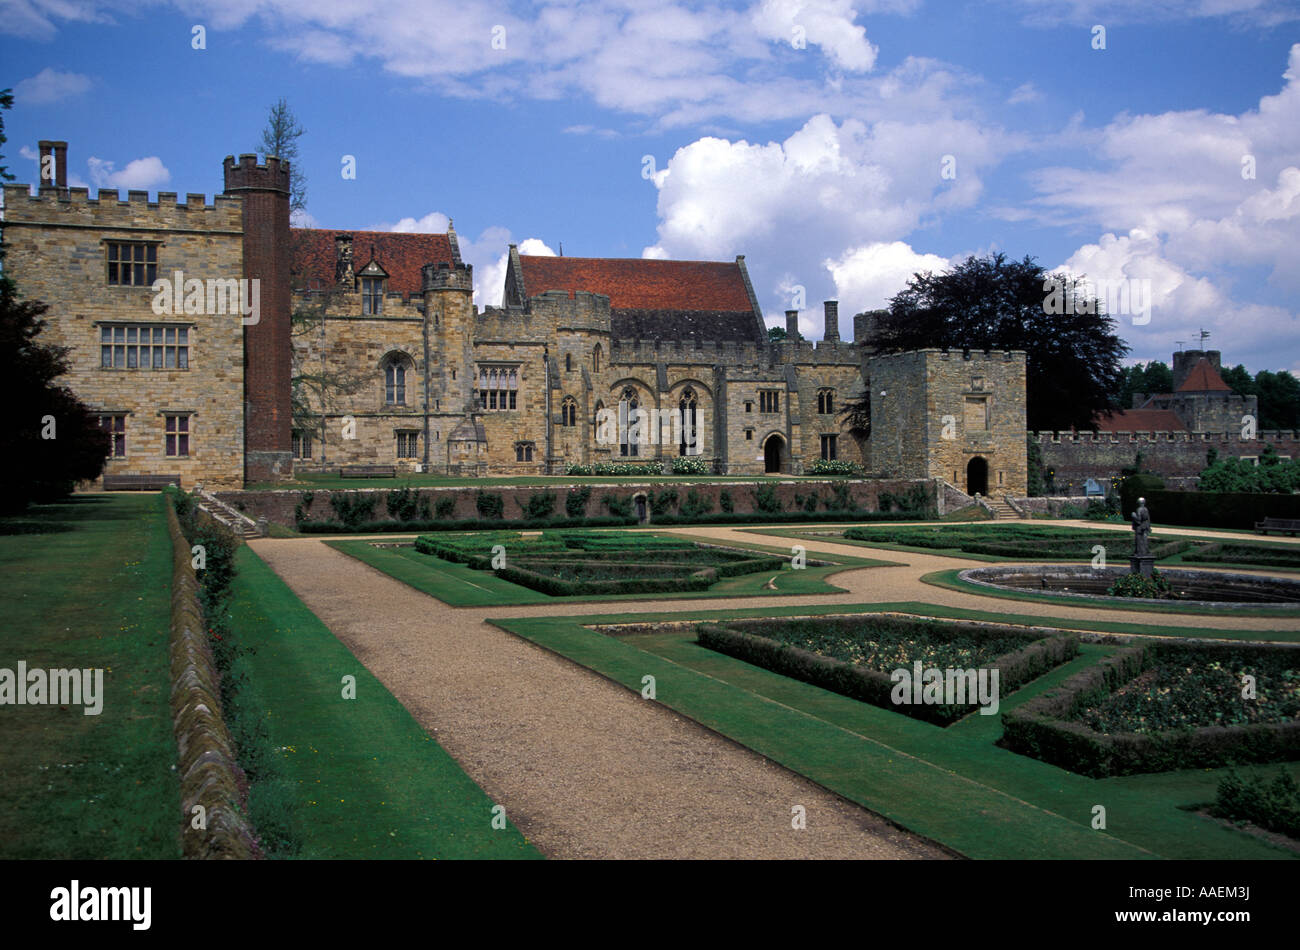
{"x":1239,"y":378}
{"x":280,"y":138}
{"x":1152,"y":377}
{"x":1272,"y":474}
{"x":779,"y":335}
{"x":1279,"y":400}
{"x":316,"y":387}
{"x":992,"y":303}
{"x":52,"y":440}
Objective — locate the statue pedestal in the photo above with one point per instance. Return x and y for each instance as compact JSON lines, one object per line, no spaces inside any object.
{"x":1141,"y":564}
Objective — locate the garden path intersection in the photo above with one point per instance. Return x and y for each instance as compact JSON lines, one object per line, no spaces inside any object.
{"x":586,"y":767}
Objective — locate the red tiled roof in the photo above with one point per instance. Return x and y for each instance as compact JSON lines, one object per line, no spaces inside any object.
{"x":1139,"y":420}
{"x":401,"y":254}
{"x":640,"y":283}
{"x":1204,"y":378}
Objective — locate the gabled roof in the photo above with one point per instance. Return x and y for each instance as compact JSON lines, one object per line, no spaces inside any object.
{"x":1204,"y":378}
{"x":400,"y":254}
{"x":1139,"y":420}
{"x":641,"y":283}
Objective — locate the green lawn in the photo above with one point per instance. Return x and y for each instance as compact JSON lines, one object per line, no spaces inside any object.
{"x":369,"y":781}
{"x":953,"y":785}
{"x":88,"y":585}
{"x":462,"y":586}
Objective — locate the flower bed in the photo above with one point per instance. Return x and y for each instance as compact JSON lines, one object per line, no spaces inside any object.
{"x":854,"y":656}
{"x":1166,"y":706}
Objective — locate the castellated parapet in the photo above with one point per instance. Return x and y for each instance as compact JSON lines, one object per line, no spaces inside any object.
{"x":109,"y":210}
{"x":445,"y":276}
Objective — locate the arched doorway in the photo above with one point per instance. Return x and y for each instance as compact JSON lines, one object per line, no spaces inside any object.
{"x":977,"y":476}
{"x":773,"y":450}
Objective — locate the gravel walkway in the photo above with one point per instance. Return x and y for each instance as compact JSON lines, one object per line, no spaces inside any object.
{"x":585,"y":767}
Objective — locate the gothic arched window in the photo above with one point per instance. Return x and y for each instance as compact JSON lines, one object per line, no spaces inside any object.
{"x":395,"y":381}
{"x":568,"y":412}
{"x":688,"y":406}
{"x":628,"y":442}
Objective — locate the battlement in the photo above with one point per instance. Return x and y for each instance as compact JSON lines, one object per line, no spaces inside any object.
{"x":248,"y":175}
{"x":697,"y":351}
{"x":820,"y":351}
{"x":1278,"y":437}
{"x":447,"y":276}
{"x":970,"y":356}
{"x":108,"y":210}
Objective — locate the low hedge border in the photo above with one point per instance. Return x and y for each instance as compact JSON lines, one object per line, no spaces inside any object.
{"x":874,"y":687}
{"x":556,"y":587}
{"x":1041,"y":730}
{"x":601,"y":521}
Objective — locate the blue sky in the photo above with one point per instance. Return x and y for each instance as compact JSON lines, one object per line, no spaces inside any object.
{"x":812,"y":136}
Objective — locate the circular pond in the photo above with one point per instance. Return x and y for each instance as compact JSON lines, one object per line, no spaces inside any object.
{"x":1208,"y":588}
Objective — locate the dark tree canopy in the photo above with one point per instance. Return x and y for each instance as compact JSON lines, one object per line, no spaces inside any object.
{"x":1149,"y":378}
{"x":1278,"y":394}
{"x":992,"y":303}
{"x":780,"y":335}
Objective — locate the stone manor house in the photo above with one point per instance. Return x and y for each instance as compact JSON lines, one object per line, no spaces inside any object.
{"x":365,"y":348}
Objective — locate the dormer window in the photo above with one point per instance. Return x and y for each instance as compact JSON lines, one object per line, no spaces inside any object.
{"x":372,"y":295}
{"x":372,"y":278}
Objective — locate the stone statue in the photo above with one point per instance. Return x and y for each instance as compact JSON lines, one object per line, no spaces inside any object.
{"x":1141,"y":530}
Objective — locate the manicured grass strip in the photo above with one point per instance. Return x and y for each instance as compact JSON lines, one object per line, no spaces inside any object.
{"x":973,"y":818}
{"x":331,"y":480}
{"x":369,"y":781}
{"x":462,"y":586}
{"x":950,"y":580}
{"x":951,"y":784}
{"x":87,"y":585}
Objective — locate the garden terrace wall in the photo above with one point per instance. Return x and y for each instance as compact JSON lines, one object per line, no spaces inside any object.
{"x":1041,"y":728}
{"x":278,"y":506}
{"x":209,"y":773}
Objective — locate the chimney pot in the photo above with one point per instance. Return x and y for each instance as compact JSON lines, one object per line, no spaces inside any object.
{"x":792,"y":325}
{"x":831,"y":333}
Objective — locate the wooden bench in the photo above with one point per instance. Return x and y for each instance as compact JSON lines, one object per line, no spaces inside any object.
{"x":1289,"y":525}
{"x":140,"y":482}
{"x":368,"y":471}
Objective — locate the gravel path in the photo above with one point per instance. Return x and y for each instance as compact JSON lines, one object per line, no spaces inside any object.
{"x":585,"y":767}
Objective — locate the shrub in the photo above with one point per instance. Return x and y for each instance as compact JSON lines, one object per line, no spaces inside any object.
{"x":618,"y":507}
{"x":725,"y":502}
{"x":834,"y":467}
{"x":578,"y":470}
{"x":352,"y":508}
{"x":916,"y":500}
{"x":661,"y":501}
{"x":766,"y":499}
{"x":690,"y":465}
{"x":445,"y":506}
{"x":1136,"y":585}
{"x":490,"y":505}
{"x":1137,"y":486}
{"x":841,"y":497}
{"x":695,"y":505}
{"x":299,"y":510}
{"x":1220,"y":509}
{"x":806,"y":502}
{"x":539,"y":506}
{"x":1274,"y":805}
{"x":575,"y":504}
{"x":404,"y":504}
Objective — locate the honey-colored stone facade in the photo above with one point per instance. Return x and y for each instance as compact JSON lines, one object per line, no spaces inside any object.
{"x":57,"y":253}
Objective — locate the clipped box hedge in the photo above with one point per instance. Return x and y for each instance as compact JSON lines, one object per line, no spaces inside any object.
{"x":875,"y":687}
{"x":1041,"y":728}
{"x":1220,"y":509}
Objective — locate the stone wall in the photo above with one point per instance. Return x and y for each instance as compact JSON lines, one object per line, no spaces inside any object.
{"x":278,"y":505}
{"x":1178,"y":457}
{"x":57,"y":254}
{"x":210,"y":776}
